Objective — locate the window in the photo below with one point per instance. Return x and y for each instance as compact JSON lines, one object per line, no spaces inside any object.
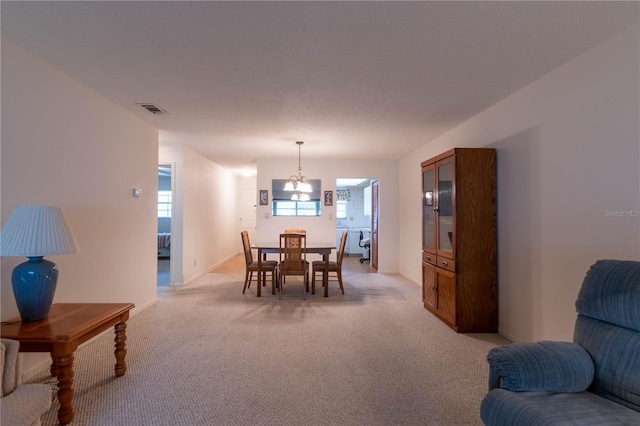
{"x":341,"y":210}
{"x":296,"y":208}
{"x":164,"y":203}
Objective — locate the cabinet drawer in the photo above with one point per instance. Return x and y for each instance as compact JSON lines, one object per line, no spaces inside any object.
{"x":444,"y":263}
{"x":429,"y":258}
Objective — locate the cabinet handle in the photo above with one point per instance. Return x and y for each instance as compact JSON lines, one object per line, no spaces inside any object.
{"x":444,"y":262}
{"x":436,"y":210}
{"x":428,"y":257}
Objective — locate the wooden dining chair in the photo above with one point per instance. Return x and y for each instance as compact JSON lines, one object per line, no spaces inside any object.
{"x":293,"y":260}
{"x":318,"y":266}
{"x":295,"y":231}
{"x":252,"y":266}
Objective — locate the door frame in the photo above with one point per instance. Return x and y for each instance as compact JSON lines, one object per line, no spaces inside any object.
{"x":375,"y":210}
{"x":172,"y":253}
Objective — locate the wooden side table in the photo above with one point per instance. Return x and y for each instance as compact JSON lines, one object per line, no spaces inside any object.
{"x":68,"y":326}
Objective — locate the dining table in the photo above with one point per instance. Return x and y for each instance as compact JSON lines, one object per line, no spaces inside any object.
{"x":312,"y":247}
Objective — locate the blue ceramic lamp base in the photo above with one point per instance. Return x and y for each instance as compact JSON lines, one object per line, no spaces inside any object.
{"x":34,"y":284}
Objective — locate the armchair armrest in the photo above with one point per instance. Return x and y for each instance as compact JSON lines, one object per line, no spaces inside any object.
{"x":11,"y":367}
{"x":540,"y":367}
{"x":25,"y":405}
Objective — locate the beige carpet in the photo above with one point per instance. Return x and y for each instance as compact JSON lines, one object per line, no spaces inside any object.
{"x":208,"y":355}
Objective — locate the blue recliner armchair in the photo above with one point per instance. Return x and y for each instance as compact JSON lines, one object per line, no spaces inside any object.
{"x":593,"y":381}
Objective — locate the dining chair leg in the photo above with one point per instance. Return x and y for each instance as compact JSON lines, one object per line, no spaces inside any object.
{"x":340,"y":280}
{"x":247,"y":281}
{"x":305,"y":284}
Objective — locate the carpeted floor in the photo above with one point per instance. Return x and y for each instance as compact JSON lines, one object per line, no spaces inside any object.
{"x":207,"y":354}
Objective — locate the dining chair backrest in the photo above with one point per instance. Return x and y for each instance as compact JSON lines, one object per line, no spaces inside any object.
{"x":295,"y":231}
{"x":248,"y":255}
{"x":293,"y":253}
{"x":343,"y":243}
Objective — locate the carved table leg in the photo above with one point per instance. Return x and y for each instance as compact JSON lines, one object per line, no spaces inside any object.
{"x":54,"y":366}
{"x":65,"y":388}
{"x":121,"y":349}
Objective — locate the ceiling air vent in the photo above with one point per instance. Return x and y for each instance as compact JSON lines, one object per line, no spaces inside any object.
{"x":153,"y":109}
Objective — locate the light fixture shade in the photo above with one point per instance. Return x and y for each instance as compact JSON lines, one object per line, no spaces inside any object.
{"x":37,"y":231}
{"x":304,"y":187}
{"x":289,"y":186}
{"x":300,"y":197}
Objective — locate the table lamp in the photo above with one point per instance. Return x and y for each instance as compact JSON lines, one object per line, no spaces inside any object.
{"x":36,"y":231}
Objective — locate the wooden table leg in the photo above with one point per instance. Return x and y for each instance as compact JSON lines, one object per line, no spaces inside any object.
{"x":54,"y":366}
{"x":325,"y":275}
{"x":259,"y":292}
{"x":121,"y":348}
{"x":64,"y":365}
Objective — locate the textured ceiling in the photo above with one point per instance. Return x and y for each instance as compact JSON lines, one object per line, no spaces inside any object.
{"x":372,"y":80}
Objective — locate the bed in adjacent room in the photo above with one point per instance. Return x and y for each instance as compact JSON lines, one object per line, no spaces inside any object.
{"x":164,"y":244}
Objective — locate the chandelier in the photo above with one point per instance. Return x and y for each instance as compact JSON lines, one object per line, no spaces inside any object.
{"x":299,"y":183}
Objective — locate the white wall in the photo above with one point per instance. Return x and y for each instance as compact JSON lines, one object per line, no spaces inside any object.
{"x":355,"y":209}
{"x":205,"y":223}
{"x":247,"y":208}
{"x":65,"y":145}
{"x":323,"y":228}
{"x":568,"y":150}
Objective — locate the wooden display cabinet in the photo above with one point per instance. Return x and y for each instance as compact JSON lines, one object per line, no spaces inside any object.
{"x":459,"y":255}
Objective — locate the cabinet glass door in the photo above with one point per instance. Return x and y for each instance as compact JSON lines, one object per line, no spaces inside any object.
{"x":428,"y":209}
{"x":445,"y":206}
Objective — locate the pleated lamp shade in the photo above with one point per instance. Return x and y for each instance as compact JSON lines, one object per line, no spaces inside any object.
{"x":37,"y":231}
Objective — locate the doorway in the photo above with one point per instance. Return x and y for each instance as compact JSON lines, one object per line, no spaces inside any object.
{"x":354,"y":215}
{"x":165,"y":207}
